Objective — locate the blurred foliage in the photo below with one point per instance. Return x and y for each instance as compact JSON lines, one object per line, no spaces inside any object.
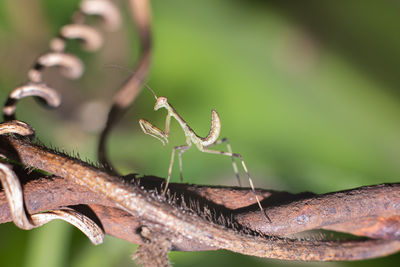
{"x":308,"y":93}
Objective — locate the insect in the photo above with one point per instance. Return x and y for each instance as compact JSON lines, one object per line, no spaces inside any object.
{"x":202,"y":143}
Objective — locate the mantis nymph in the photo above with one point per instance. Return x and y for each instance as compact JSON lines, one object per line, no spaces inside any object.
{"x":202,"y":143}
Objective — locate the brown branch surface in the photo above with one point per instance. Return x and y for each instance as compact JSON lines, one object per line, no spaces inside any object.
{"x":374,"y":209}
{"x":380,"y":221}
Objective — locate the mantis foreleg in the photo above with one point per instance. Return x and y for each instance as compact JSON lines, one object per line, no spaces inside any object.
{"x":152,"y":130}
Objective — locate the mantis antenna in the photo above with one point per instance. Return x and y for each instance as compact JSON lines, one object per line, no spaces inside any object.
{"x":202,"y":143}
{"x":148,"y":87}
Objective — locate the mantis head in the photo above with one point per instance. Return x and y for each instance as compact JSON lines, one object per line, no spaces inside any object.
{"x":148,"y":127}
{"x":161,"y":102}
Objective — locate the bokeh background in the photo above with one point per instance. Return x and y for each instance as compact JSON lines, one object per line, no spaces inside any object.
{"x":308,"y":93}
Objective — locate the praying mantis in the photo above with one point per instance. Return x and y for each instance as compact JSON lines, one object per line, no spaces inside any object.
{"x":202,"y":143}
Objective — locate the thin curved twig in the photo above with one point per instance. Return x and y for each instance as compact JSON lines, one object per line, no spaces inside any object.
{"x":105,"y":9}
{"x":90,"y":37}
{"x":140,"y":11}
{"x":15,"y":199}
{"x":70,"y":65}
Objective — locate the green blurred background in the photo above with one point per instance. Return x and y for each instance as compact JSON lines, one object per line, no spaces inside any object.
{"x":308,"y":93}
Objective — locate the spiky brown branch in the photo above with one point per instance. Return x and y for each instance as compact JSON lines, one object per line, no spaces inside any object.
{"x":193,"y":225}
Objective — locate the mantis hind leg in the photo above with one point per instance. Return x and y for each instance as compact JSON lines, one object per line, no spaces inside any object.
{"x":235,"y":155}
{"x":181,"y":149}
{"x":228,"y":145}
